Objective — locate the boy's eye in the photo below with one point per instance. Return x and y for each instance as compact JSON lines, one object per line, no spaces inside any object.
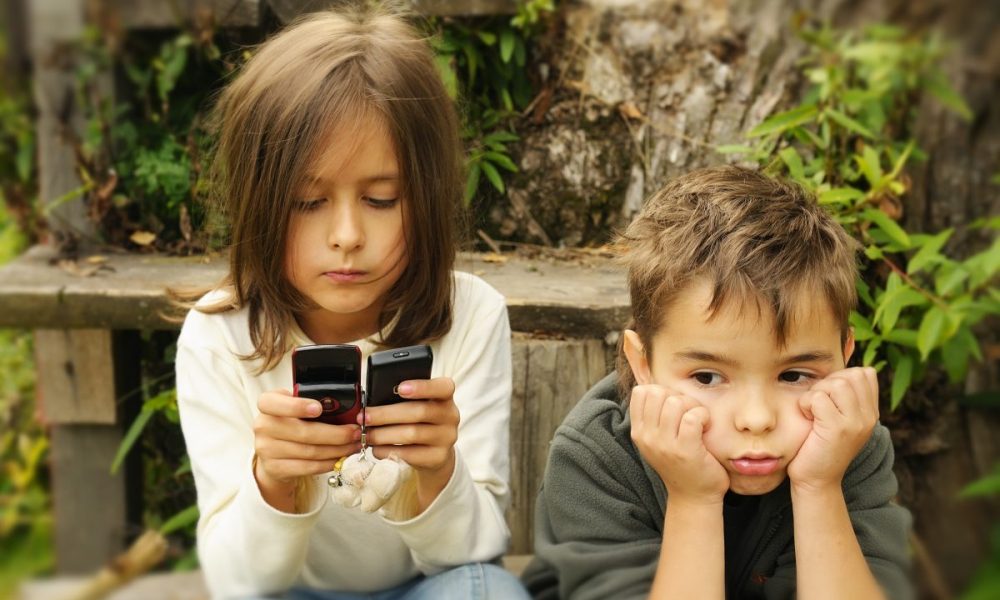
{"x":381,"y":202}
{"x":795,"y":377}
{"x":708,"y":378}
{"x":309,"y":205}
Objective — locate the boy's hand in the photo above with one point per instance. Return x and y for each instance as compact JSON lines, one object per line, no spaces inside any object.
{"x":843,"y":407}
{"x":288,"y":447}
{"x":422,"y":432}
{"x":668,"y":430}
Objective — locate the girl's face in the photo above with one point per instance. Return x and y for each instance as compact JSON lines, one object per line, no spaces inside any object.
{"x":346,"y":243}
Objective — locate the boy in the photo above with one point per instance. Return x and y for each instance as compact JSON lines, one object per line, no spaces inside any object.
{"x":737,"y":456}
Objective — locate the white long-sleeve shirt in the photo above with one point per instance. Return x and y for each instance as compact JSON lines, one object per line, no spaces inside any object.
{"x":247,"y":547}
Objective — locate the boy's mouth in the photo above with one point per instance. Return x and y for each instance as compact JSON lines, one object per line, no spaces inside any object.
{"x":754,"y":464}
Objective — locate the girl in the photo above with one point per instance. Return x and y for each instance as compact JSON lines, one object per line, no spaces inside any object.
{"x":340,"y":168}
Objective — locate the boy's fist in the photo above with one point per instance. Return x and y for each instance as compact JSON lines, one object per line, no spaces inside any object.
{"x":843,"y":407}
{"x":667,"y":429}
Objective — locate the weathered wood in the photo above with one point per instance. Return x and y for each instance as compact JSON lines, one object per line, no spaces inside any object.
{"x":54,"y":25}
{"x":550,"y":376}
{"x":156,"y":14}
{"x":76,"y":381}
{"x":128,"y":292}
{"x":88,"y":501}
{"x":286,"y":10}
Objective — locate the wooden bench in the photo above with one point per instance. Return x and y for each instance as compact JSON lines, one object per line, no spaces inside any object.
{"x":87,"y":316}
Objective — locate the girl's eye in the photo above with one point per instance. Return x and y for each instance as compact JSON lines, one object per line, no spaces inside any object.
{"x":381,"y":202}
{"x":309,"y":205}
{"x":707,"y":378}
{"x":795,"y":377}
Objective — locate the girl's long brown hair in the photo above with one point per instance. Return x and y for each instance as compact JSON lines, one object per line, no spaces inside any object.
{"x":329,"y":72}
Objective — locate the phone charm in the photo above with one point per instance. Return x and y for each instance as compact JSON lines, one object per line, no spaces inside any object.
{"x":367,"y":482}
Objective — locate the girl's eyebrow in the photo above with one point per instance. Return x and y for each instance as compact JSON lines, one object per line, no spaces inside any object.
{"x":380,"y":177}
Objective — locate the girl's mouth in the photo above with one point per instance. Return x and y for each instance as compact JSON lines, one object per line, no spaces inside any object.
{"x":746,"y":465}
{"x":345,"y":276}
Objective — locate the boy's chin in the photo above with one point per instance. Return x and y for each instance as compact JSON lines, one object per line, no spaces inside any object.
{"x":755,"y":485}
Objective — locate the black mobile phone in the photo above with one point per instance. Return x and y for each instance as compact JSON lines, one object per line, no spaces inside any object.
{"x":388,"y":368}
{"x":330,"y":374}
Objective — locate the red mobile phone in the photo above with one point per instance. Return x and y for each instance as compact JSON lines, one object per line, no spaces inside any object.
{"x":330,"y":374}
{"x":388,"y":368}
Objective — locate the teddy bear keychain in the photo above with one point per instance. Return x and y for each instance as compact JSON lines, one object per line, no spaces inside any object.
{"x":361,"y":480}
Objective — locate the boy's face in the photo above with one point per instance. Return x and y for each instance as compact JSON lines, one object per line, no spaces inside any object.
{"x":733,"y":365}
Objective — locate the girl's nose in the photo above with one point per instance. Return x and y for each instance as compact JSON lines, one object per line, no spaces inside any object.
{"x":754,"y":412}
{"x":346,"y":227}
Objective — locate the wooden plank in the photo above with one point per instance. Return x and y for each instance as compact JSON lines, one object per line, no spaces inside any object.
{"x":550,"y":376}
{"x":157,"y":14}
{"x":286,"y":10}
{"x":558,"y":297}
{"x":76,"y":382}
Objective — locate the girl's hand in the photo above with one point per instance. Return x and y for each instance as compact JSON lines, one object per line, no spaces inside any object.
{"x":422,"y":432}
{"x":843,"y":407}
{"x":288,"y":447}
{"x":667,"y":429}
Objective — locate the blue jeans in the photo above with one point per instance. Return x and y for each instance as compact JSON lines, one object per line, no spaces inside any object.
{"x":474,"y":581}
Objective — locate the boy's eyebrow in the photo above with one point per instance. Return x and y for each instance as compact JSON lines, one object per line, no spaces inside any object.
{"x":702,"y":356}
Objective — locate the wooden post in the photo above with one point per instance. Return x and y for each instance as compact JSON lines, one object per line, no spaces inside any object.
{"x":82,"y":375}
{"x":54,"y":25}
{"x":550,"y":376}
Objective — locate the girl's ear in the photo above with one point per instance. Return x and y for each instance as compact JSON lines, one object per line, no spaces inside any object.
{"x":849,"y":345}
{"x":635,"y":354}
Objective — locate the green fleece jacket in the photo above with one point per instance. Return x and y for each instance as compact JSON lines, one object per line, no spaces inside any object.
{"x":599,"y":516}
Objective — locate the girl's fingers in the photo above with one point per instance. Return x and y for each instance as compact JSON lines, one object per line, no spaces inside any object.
{"x":415,"y":456}
{"x":282,"y":403}
{"x":272,"y":449}
{"x":283,"y":469}
{"x":420,"y":389}
{"x":306,"y":432}
{"x":412,"y":434}
{"x":415,"y":411}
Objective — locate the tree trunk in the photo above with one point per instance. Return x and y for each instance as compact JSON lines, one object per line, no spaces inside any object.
{"x":639,"y":91}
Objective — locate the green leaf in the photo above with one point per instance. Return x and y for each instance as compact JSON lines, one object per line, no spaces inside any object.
{"x":888,"y":226}
{"x":937,"y":84}
{"x":471,"y":183}
{"x":848,"y":123}
{"x":902,"y":374}
{"x":782,"y":121}
{"x":987,"y":486}
{"x":871,"y":350}
{"x":929,"y":253}
{"x":932,"y":331}
{"x":501,"y":160}
{"x":793,"y":161}
{"x":130,"y":438}
{"x":948,"y":279}
{"x":902,"y":337}
{"x":444,"y":62}
{"x":735,"y":149}
{"x":507,"y":40}
{"x":840,"y":195}
{"x":491,"y":173}
{"x":893,"y":303}
{"x":956,"y":352}
{"x":489,"y":38}
{"x":183,"y":519}
{"x":862,"y":328}
{"x":870,"y":166}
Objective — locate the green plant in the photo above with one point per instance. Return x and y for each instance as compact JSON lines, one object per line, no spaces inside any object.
{"x":482,"y":63}
{"x":849,"y":142}
{"x":986,"y":583}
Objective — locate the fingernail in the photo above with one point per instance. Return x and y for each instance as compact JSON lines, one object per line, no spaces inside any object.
{"x":405,"y":388}
{"x":314,"y":409}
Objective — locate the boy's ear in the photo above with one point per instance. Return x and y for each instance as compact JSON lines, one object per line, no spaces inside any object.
{"x":635,"y":354}
{"x":849,"y":345}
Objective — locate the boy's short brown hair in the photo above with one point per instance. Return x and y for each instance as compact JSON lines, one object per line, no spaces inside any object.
{"x":759,"y":239}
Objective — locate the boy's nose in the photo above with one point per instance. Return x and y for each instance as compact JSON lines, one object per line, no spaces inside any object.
{"x":754,"y":413}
